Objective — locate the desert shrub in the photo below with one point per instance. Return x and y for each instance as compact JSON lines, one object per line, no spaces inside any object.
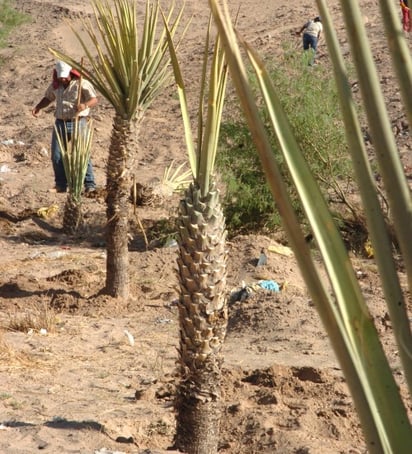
{"x":247,"y":201}
{"x":9,"y":18}
{"x":39,"y":317}
{"x":309,"y":98}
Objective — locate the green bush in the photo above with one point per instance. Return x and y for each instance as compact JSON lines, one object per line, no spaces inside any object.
{"x":9,"y":18}
{"x":309,"y":98}
{"x":247,"y":200}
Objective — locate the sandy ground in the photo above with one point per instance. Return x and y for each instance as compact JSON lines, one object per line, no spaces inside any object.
{"x":101,"y":379}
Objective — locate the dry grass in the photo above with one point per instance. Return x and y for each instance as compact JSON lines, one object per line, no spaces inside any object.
{"x":13,"y":358}
{"x":39,"y":318}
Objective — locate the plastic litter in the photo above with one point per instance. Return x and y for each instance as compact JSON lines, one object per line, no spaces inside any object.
{"x":129,"y":337}
{"x":50,"y":255}
{"x":162,"y":321}
{"x":171,"y":243}
{"x":45,"y":212}
{"x":263,"y":260}
{"x":11,"y":142}
{"x":108,"y":451}
{"x":280,"y":249}
{"x":240,"y":295}
{"x":5,"y":168}
{"x":270,"y":285}
{"x":246,"y":290}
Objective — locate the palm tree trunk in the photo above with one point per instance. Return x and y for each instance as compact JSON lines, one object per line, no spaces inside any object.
{"x":119,"y":166}
{"x":203,"y":320}
{"x":73,"y":216}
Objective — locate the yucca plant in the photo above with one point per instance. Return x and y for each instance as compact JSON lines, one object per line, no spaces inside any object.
{"x":176,"y":180}
{"x":129,"y":71}
{"x":346,"y":316}
{"x":75,"y":148}
{"x":201,"y":265}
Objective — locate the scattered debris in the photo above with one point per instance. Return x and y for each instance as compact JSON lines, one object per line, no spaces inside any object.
{"x":280,"y":249}
{"x":12,"y":142}
{"x":171,"y":242}
{"x":108,"y":451}
{"x":245,"y":291}
{"x":240,"y":295}
{"x":130,"y":337}
{"x":45,"y":212}
{"x":162,"y":321}
{"x":369,"y":249}
{"x":263,"y":260}
{"x":5,"y":168}
{"x":270,"y":285}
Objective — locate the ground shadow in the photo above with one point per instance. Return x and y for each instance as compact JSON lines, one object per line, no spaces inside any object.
{"x":60,"y":423}
{"x":13,"y":290}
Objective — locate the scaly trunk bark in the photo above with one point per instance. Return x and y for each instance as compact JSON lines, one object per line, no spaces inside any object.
{"x":119,"y":181}
{"x":203,"y":321}
{"x":73,"y":216}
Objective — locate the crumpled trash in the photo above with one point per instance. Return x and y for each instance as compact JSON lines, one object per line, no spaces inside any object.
{"x":4,"y":168}
{"x":130,"y":337}
{"x":45,"y":212}
{"x":270,"y":285}
{"x":280,"y":249}
{"x":108,"y":451}
{"x":240,"y":295}
{"x":246,"y":290}
{"x":263,"y":259}
{"x":171,"y":243}
{"x":12,"y":142}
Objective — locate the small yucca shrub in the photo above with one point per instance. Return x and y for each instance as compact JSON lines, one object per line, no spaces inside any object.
{"x":75,"y":148}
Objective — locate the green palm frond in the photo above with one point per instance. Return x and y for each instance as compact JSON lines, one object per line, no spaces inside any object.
{"x":127,"y":69}
{"x":346,"y":317}
{"x":202,"y":158}
{"x":75,"y":155}
{"x":176,"y":179}
{"x":376,"y":222}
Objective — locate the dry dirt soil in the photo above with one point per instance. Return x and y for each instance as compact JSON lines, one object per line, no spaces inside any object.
{"x":83,"y":373}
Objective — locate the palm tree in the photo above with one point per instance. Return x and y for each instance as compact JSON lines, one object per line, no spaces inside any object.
{"x":201,"y":268}
{"x":346,"y":316}
{"x":129,"y":71}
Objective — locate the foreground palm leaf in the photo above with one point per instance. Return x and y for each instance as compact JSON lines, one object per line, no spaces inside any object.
{"x":75,"y":155}
{"x":129,"y":71}
{"x":347,"y":319}
{"x":202,"y":268}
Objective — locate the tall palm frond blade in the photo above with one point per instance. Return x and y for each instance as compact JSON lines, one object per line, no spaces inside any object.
{"x":376,"y":222}
{"x":399,"y":51}
{"x":357,"y":342}
{"x":387,"y":154}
